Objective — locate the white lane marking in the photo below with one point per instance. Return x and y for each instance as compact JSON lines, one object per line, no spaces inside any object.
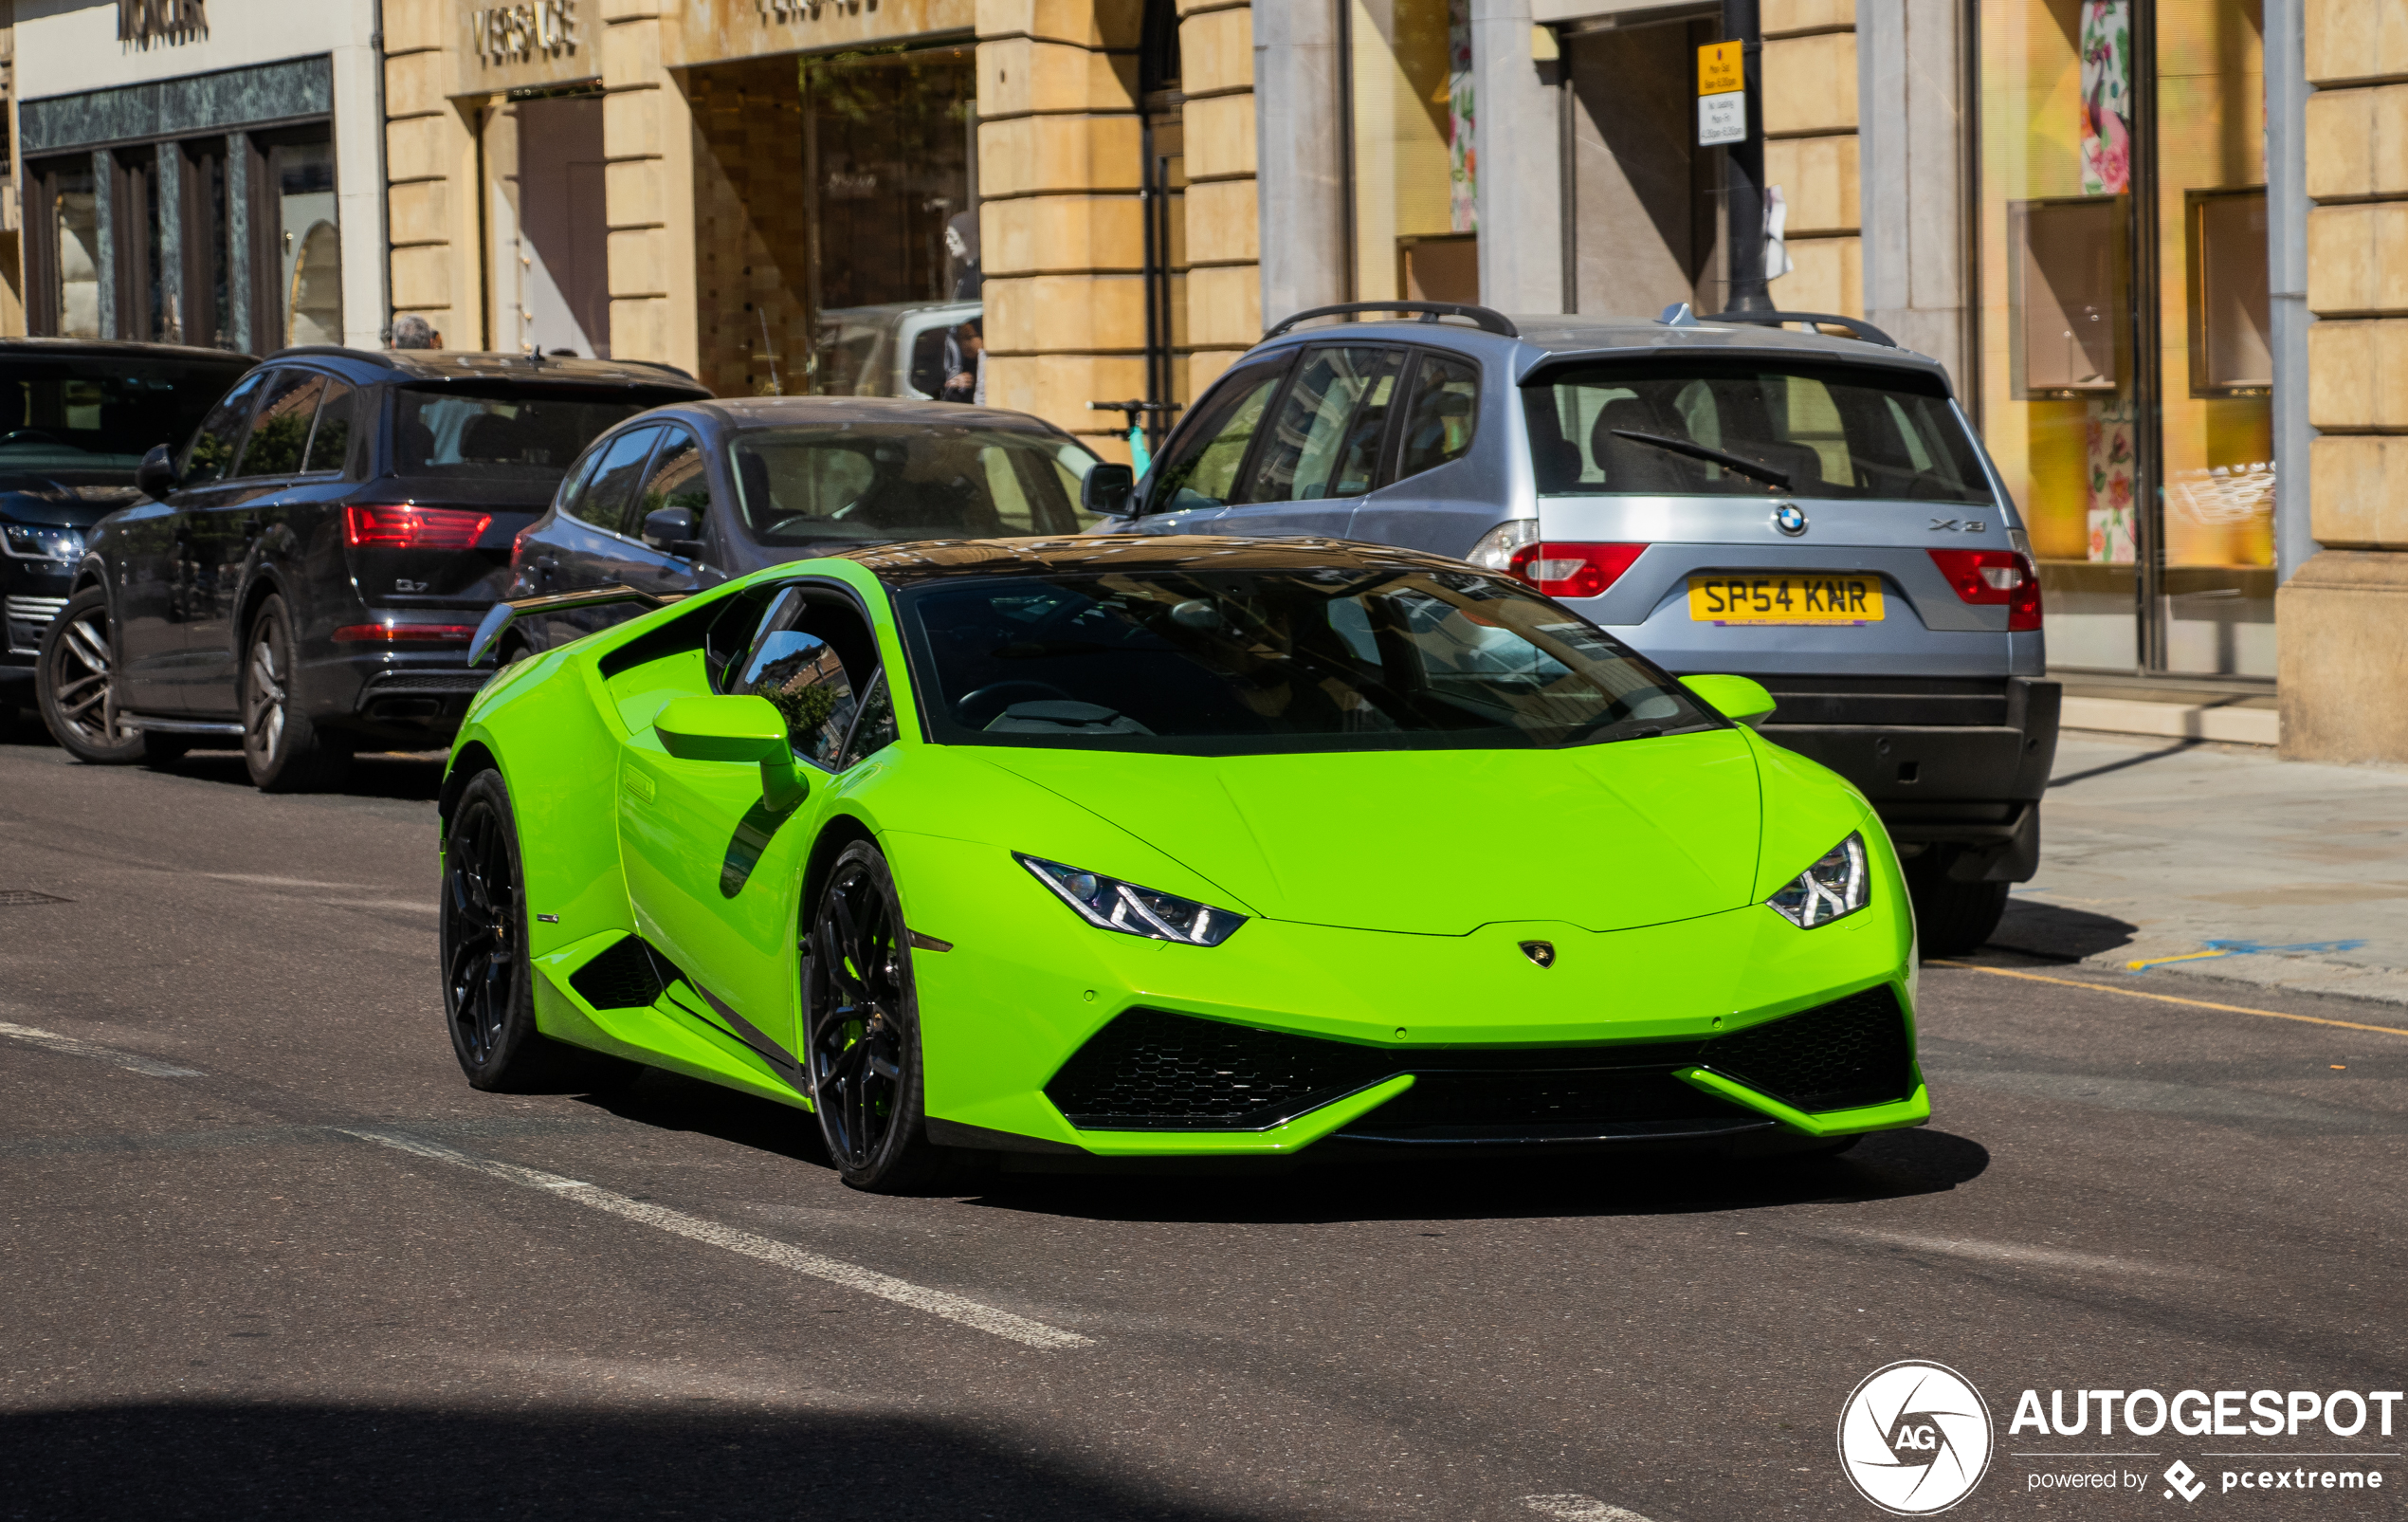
{"x":2015,"y":1253}
{"x":414,"y":905}
{"x":130,"y":1061}
{"x":285,"y":882}
{"x":969,"y":1312}
{"x":1579,"y":1509}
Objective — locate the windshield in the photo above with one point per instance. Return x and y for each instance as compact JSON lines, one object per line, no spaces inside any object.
{"x":864,"y":482}
{"x":1238,"y":662}
{"x":1710,"y":426}
{"x":517,"y":433}
{"x":103,"y":415}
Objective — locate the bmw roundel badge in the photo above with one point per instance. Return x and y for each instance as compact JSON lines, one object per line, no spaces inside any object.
{"x":1790,"y":518}
{"x":1541,"y":952}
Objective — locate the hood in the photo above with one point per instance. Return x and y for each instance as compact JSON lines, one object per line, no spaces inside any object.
{"x":42,"y":499}
{"x":1607,"y":838}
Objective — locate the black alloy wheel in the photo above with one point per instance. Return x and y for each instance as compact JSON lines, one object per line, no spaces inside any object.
{"x":75,"y":686}
{"x":283,"y":751}
{"x":861,"y":1029}
{"x":488,"y":978}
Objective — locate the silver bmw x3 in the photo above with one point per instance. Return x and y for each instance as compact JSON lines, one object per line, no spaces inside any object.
{"x":1812,"y":511}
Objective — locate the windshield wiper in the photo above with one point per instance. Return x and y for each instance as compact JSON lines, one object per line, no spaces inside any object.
{"x":1707,"y":452}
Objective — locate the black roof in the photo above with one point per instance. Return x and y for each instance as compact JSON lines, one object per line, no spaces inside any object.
{"x":934,"y":560}
{"x":123,"y":349}
{"x":439,"y":365}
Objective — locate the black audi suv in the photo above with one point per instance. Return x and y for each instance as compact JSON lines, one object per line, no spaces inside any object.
{"x":75,"y":419}
{"x":308,"y":571}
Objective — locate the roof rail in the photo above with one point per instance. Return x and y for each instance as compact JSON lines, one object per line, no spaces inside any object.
{"x":1855,"y":327}
{"x":1479,"y":316}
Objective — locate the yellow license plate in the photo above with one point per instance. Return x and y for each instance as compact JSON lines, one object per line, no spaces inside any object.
{"x":1787,"y":599}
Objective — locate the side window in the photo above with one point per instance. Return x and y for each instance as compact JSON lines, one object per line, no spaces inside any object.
{"x":875,"y":729}
{"x":816,"y":660}
{"x":677,"y":481}
{"x":330,"y":446}
{"x":211,"y":455}
{"x":1202,"y":467}
{"x":569,"y":497}
{"x":609,"y":496}
{"x":279,"y":432}
{"x":1325,"y":442}
{"x":1441,"y":415}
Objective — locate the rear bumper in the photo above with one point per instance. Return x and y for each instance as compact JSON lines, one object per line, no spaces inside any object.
{"x":1956,"y":763}
{"x":411,"y":698}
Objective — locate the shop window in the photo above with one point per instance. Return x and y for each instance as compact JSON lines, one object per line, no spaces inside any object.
{"x":309,"y":241}
{"x":2068,"y":294}
{"x":2231,"y":343}
{"x":75,"y":242}
{"x":887,"y":142}
{"x":1414,"y":191}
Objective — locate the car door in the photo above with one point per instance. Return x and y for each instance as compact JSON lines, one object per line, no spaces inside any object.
{"x":221,"y":531}
{"x":1323,"y":447}
{"x":1202,"y":464}
{"x":1436,"y":495}
{"x":675,"y":479}
{"x":714,"y":875}
{"x":587,"y":545}
{"x":154,"y":597}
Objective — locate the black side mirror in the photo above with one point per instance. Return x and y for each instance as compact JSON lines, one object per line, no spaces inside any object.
{"x":1106,"y":490}
{"x":672,"y":531}
{"x":155,"y":475}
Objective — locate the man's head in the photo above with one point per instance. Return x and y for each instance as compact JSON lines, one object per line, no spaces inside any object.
{"x":410,"y":331}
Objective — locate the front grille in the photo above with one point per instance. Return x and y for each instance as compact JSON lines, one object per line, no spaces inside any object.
{"x":26,"y":618}
{"x":630,"y":975}
{"x":394,"y":683}
{"x":1594,"y":1102}
{"x":1850,"y":1052}
{"x":1152,"y":1069}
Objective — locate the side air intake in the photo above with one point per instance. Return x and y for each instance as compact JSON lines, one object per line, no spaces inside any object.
{"x":630,"y":975}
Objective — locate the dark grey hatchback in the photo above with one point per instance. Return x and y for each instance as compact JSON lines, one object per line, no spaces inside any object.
{"x":308,"y":571}
{"x":688,"y":496}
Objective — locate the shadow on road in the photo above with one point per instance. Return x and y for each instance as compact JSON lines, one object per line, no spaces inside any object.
{"x":1888,"y":1166}
{"x":672,"y":1101}
{"x":408,"y":775}
{"x":2057,"y":932}
{"x":691,"y":1455}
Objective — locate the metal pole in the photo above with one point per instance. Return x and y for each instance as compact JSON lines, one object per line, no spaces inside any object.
{"x":1743,"y":168}
{"x":2287,"y":92}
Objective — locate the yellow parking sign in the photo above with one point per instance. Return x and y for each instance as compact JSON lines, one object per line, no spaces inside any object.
{"x":1719,"y":69}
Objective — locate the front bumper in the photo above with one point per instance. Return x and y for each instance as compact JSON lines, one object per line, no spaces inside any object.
{"x":1043,"y":1034}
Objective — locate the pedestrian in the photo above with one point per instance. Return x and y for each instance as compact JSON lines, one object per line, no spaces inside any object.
{"x":410,"y":331}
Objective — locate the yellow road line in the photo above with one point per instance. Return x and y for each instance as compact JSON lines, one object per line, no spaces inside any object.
{"x":2168,"y":999}
{"x":2160,"y":961}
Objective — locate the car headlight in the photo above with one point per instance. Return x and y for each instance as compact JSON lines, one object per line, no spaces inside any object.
{"x":31,"y":541}
{"x":1837,"y":885}
{"x":1109,"y":904}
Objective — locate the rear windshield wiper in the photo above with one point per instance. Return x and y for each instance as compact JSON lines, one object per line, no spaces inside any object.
{"x":1707,"y":452}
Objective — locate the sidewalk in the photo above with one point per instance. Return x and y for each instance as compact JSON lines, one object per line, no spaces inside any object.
{"x":2220,"y":862}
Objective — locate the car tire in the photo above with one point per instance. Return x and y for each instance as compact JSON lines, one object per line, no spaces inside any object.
{"x":75,"y":686}
{"x":1953,"y":918}
{"x":860,"y":1032}
{"x":282,"y":749}
{"x":488,"y":976}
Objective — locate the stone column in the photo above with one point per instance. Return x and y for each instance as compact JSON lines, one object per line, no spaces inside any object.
{"x":105,"y":210}
{"x":2344,"y":615}
{"x":1300,"y":139}
{"x":1518,"y":134}
{"x":1224,"y":280}
{"x":240,"y":286}
{"x":1913,"y":120}
{"x":430,"y":183}
{"x":168,"y":185}
{"x":647,"y":146}
{"x":1060,"y":229}
{"x":1810,"y":150}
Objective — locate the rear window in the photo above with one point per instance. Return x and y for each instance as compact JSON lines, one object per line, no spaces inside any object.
{"x":103,"y":415}
{"x":866,"y":482}
{"x":1705,"y":427}
{"x":516,"y":433}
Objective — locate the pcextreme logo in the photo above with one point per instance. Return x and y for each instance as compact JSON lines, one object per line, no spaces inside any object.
{"x":1915,"y":1437}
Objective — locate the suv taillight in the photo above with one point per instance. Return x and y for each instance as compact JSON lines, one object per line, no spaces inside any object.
{"x":1993,"y":578}
{"x":414,"y":529}
{"x":1563,"y":568}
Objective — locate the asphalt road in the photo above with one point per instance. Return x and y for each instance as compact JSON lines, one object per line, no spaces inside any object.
{"x":218,"y":1299}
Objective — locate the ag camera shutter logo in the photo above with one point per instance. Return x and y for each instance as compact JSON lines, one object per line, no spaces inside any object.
{"x":1915,"y":1437}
